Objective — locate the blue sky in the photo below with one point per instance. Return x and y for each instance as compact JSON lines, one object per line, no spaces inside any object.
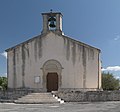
{"x":95,"y":22}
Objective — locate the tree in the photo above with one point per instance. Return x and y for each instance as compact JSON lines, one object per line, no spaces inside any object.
{"x":109,"y":82}
{"x":3,"y":83}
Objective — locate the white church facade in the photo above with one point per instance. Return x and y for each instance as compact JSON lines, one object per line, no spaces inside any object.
{"x":53,"y":62}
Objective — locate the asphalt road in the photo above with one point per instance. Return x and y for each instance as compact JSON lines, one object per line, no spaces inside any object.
{"x":67,"y":107}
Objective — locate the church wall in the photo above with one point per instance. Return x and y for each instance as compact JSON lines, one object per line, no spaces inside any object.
{"x":83,"y":63}
{"x":100,"y":73}
{"x":9,"y":69}
{"x":79,"y":63}
{"x":63,"y":50}
{"x":92,"y":69}
{"x":33,"y":64}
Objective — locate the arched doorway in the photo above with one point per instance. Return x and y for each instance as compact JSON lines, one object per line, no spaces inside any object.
{"x":52,"y":82}
{"x":52,"y":70}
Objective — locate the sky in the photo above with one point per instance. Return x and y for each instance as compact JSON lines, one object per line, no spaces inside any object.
{"x":95,"y":22}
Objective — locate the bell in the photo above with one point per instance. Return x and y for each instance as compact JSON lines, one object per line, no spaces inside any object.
{"x":52,"y":22}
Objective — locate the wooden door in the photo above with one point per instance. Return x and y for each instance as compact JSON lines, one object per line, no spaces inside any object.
{"x":52,"y":82}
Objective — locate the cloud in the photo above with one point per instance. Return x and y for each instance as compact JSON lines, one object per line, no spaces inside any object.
{"x":115,"y":70}
{"x":4,"y":75}
{"x":112,"y":68}
{"x":4,"y":54}
{"x":117,"y":37}
{"x":117,"y":77}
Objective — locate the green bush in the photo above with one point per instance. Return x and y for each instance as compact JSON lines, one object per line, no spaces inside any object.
{"x":3,"y":83}
{"x":109,"y":82}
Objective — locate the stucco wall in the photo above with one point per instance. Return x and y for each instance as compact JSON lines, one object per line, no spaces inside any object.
{"x":80,"y":63}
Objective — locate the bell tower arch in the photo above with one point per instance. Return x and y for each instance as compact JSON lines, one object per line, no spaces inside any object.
{"x":52,"y":21}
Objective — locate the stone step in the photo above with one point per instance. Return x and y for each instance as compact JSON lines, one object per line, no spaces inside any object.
{"x":39,"y":95}
{"x":35,"y":102}
{"x":32,"y":98}
{"x":37,"y":98}
{"x":29,"y":95}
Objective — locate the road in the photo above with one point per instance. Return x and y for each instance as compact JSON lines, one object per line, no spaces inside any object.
{"x":67,"y":107}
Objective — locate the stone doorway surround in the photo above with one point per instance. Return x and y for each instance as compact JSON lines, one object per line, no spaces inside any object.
{"x":52,"y":66}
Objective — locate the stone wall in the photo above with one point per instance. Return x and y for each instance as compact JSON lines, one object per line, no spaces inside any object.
{"x":89,"y":96}
{"x":10,"y":95}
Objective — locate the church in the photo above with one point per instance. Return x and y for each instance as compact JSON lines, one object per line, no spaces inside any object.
{"x":53,"y":61}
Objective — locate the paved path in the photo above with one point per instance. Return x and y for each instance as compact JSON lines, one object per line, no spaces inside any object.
{"x":67,"y":107}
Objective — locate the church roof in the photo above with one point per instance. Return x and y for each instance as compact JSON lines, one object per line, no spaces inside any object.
{"x":42,"y":35}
